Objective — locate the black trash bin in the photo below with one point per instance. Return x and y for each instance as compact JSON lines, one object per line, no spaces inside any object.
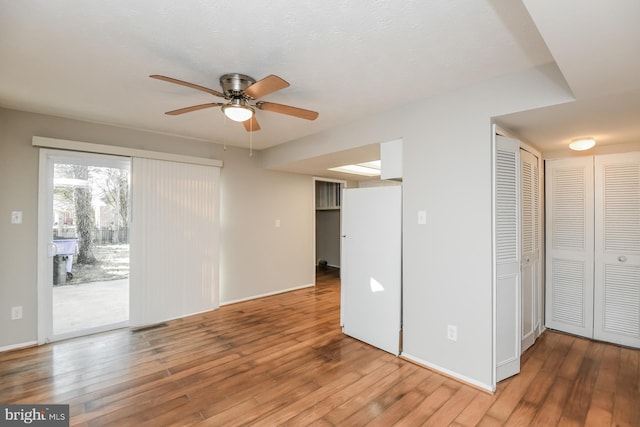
{"x":60,"y":269}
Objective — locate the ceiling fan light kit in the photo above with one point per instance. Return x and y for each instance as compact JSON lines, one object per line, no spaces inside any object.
{"x":241,"y":90}
{"x":238,"y":110}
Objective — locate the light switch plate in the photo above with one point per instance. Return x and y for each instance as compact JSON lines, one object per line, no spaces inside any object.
{"x":452,"y":332}
{"x":16,"y":217}
{"x":422,"y":217}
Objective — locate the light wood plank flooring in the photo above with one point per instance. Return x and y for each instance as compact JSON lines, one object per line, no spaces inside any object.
{"x":283,"y":360}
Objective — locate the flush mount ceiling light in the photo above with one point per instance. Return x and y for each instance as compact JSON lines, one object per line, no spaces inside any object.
{"x":238,"y":110}
{"x":582,"y":144}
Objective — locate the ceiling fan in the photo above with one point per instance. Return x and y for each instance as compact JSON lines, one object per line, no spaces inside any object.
{"x":241,"y":91}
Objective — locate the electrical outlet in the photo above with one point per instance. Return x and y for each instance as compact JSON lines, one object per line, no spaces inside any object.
{"x":16,"y":313}
{"x":452,"y":332}
{"x":16,"y":217}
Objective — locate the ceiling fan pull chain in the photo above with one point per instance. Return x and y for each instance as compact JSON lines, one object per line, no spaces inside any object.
{"x":251,"y":139}
{"x":224,"y":140}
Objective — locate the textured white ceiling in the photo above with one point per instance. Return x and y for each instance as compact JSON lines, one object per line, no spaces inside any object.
{"x":596,"y":45}
{"x":345,"y":59}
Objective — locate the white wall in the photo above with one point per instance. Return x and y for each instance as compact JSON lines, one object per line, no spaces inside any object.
{"x":256,"y":258}
{"x":447,"y":263}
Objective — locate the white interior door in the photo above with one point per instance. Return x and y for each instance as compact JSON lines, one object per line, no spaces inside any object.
{"x":569,"y":245}
{"x":617,"y":249}
{"x":530,"y":247}
{"x":371,"y":265}
{"x":507,"y":257}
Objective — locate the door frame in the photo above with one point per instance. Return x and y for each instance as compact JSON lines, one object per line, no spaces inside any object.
{"x":313,"y":189}
{"x":45,"y":251}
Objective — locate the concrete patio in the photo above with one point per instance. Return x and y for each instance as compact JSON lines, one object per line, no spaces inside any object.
{"x":90,"y":305}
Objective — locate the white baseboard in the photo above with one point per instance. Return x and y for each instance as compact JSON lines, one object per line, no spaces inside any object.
{"x":281,"y":291}
{"x":449,"y":373}
{"x":18,"y":346}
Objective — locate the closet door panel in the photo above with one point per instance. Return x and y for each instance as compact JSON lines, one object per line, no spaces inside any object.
{"x":530,"y":247}
{"x":507,"y":232}
{"x":569,"y":245}
{"x":617,"y":249}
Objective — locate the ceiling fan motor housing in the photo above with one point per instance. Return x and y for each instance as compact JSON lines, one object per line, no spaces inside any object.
{"x":234,"y":84}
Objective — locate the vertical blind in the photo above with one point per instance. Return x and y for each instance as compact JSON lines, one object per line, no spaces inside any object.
{"x":174,"y":240}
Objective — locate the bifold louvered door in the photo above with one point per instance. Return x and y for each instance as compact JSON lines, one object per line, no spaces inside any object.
{"x":617,"y":249}
{"x":530,"y":247}
{"x":507,"y":242}
{"x":569,"y":245}
{"x":593,"y":247}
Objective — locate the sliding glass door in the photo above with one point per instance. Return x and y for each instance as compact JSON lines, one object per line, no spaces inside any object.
{"x":84,"y":241}
{"x":86,"y":222}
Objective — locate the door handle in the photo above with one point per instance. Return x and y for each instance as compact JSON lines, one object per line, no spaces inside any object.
{"x":622,"y":258}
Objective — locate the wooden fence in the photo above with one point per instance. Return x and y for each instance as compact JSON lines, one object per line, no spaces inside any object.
{"x":106,"y":235}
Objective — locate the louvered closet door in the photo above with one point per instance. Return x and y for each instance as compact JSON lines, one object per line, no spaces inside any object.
{"x":507,"y":230}
{"x":530,"y":246}
{"x":569,"y":245}
{"x":617,"y":249}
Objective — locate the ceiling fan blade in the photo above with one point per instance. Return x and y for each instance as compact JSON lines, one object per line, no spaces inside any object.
{"x":266,"y":86}
{"x":187,"y":84}
{"x":251,"y":125}
{"x":193,"y":108}
{"x":285,"y":109}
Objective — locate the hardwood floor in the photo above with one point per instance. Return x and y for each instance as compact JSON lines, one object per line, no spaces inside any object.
{"x":283,"y":360}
